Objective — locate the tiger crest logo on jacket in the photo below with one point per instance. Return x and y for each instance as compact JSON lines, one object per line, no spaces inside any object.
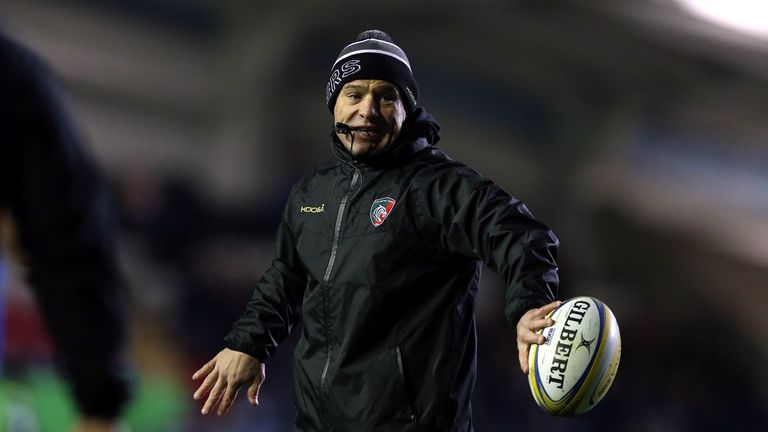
{"x":380,"y":209}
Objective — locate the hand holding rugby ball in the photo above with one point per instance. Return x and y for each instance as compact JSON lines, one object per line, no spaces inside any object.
{"x":574,"y":368}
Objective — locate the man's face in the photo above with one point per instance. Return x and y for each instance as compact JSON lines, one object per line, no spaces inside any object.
{"x":374,"y":105}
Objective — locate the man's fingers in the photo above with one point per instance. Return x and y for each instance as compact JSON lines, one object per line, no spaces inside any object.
{"x":523,"y":357}
{"x":542,"y":311}
{"x":530,"y":322}
{"x":534,"y":317}
{"x":529,"y":337}
{"x":253,"y":390}
{"x":541,"y":323}
{"x":213,"y":397}
{"x":229,"y":396}
{"x":205,"y":370}
{"x":205,"y":387}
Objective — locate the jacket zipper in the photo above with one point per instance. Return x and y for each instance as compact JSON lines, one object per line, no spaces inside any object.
{"x":329,"y":268}
{"x":414,"y":418}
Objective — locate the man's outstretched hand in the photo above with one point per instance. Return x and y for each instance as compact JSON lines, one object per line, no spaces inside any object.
{"x":530,"y":322}
{"x":223,"y":377}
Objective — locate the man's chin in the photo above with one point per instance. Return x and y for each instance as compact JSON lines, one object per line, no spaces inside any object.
{"x":366,"y":149}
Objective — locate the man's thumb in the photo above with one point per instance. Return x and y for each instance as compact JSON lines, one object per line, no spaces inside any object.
{"x":253,"y":391}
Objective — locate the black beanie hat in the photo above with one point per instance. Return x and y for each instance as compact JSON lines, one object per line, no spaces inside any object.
{"x":373,"y":55}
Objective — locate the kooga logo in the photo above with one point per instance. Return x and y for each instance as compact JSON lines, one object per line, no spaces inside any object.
{"x":309,"y":209}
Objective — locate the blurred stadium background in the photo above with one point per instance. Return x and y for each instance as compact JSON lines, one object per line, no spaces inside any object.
{"x":635,"y":128}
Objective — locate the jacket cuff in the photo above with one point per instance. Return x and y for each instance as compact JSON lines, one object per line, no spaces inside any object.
{"x":251,"y":348}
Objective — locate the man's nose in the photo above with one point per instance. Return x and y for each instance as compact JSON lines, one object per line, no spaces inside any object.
{"x":369,"y":107}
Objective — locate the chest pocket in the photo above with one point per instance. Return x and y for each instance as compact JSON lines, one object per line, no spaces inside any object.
{"x":377,"y":239}
{"x":313,"y":224}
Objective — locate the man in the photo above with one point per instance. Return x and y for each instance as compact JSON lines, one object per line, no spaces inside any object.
{"x":59,"y":206}
{"x":379,"y":252}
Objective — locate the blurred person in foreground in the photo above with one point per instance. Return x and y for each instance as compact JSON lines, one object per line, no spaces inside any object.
{"x":61,"y":211}
{"x":379,"y":253}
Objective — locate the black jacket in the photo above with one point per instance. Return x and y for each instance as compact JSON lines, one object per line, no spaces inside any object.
{"x":388,"y":341}
{"x":60,"y":206}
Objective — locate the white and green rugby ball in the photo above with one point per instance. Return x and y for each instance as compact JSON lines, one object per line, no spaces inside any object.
{"x":574,"y":368}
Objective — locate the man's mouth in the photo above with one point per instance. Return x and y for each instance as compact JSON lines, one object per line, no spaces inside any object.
{"x":369,"y":133}
{"x":365,"y":129}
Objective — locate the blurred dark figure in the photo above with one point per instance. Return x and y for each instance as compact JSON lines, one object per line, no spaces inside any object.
{"x":61,"y":210}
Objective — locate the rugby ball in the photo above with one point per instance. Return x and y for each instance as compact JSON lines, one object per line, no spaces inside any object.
{"x":574,"y":368}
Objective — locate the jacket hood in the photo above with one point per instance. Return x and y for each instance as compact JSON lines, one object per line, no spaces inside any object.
{"x":420,"y":124}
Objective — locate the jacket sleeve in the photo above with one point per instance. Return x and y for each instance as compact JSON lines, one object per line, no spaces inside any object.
{"x":62,"y":210}
{"x":480,"y":220}
{"x":275,"y":304}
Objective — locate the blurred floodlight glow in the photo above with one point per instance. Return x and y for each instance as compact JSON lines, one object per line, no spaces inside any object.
{"x":745,"y":16}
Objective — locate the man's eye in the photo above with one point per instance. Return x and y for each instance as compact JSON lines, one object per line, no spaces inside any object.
{"x":388,"y":98}
{"x":354,"y":95}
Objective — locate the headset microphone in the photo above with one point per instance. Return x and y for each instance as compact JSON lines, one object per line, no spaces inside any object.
{"x":346,"y":129}
{"x":343,"y":128}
